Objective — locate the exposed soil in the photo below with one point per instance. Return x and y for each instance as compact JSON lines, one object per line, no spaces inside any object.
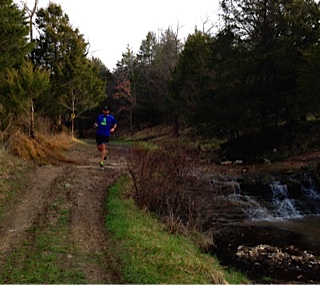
{"x":81,"y":187}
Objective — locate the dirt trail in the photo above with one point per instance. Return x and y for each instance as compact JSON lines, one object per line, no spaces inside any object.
{"x":21,"y":217}
{"x":80,"y":189}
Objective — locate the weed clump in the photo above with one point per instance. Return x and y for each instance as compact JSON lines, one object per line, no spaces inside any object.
{"x":164,"y":183}
{"x":42,"y":149}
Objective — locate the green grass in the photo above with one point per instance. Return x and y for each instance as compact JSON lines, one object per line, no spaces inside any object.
{"x":44,"y":256}
{"x":11,"y":172}
{"x":41,"y":257}
{"x":149,"y":254}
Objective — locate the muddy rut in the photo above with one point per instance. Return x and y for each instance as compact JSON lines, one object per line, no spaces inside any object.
{"x":79,"y":189}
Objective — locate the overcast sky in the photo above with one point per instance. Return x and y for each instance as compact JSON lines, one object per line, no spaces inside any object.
{"x":111,"y":26}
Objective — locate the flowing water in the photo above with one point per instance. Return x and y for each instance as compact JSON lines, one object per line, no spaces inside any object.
{"x":300,"y":215}
{"x":281,"y":205}
{"x":278,"y":215}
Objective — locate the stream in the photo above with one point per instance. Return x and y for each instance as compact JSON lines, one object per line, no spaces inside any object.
{"x":279,"y":240}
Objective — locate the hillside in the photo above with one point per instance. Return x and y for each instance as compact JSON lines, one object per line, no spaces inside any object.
{"x":66,"y":201}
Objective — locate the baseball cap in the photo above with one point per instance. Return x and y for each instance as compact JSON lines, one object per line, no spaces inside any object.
{"x":105,"y":108}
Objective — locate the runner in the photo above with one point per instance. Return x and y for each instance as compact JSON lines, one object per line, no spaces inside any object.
{"x":105,"y":125}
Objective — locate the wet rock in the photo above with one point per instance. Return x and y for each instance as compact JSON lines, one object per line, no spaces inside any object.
{"x":286,"y":263}
{"x":294,"y":189}
{"x":262,"y":251}
{"x":255,"y":189}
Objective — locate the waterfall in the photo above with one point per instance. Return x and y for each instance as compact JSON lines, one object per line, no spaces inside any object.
{"x":311,"y":194}
{"x":280,"y":204}
{"x":276,"y":210}
{"x":284,"y":207}
{"x":311,"y":190}
{"x":296,"y":198}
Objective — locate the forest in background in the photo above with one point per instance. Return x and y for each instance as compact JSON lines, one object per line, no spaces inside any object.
{"x":252,"y":82}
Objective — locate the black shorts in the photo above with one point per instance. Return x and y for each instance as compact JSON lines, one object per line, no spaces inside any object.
{"x":102,"y":139}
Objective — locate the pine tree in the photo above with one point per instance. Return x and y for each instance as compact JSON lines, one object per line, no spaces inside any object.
{"x":14,"y":45}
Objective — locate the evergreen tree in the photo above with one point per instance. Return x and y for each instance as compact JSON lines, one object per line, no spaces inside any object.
{"x":191,"y":80}
{"x":76,"y":83}
{"x":269,"y":37}
{"x":19,"y":88}
{"x":124,"y":86}
{"x":166,"y":58}
{"x":153,"y":74}
{"x":14,"y":45}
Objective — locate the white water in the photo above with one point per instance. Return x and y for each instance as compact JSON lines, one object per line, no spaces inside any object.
{"x":281,"y":206}
{"x":281,"y":211}
{"x":284,"y":207}
{"x":253,"y":209}
{"x":310,"y":191}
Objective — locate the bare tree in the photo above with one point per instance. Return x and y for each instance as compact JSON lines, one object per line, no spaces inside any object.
{"x":31,"y":13}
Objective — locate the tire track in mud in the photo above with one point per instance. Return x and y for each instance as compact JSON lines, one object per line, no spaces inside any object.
{"x":21,"y":217}
{"x":79,"y":189}
{"x":87,"y":193}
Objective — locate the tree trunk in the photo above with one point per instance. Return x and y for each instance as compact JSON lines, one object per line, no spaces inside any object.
{"x":31,"y":119}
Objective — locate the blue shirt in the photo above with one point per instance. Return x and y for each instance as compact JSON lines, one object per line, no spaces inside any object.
{"x":105,"y":124}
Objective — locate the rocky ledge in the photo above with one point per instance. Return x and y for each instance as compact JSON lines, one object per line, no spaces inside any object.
{"x":269,"y":254}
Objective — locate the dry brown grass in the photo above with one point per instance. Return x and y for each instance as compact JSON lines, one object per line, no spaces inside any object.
{"x":163,"y":184}
{"x":44,"y":149}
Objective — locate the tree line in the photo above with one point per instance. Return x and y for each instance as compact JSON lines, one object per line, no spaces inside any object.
{"x":259,"y":71}
{"x":47,"y":76}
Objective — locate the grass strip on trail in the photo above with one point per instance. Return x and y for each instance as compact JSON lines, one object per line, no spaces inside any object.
{"x":150,"y":255}
{"x":42,"y":258}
